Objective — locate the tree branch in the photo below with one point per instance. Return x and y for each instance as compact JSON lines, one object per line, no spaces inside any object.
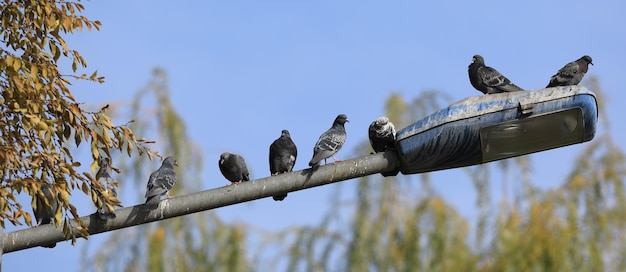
{"x":209,"y":199}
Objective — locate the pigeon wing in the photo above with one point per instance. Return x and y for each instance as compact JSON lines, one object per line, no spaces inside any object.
{"x":243,"y":168}
{"x":328,"y":144}
{"x":565,"y":75}
{"x":494,"y":79}
{"x":150,"y":185}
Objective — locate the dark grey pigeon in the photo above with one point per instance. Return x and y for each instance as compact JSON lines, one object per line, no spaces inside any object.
{"x":108,"y":186}
{"x":572,"y":73}
{"x":234,"y":167}
{"x":488,"y":80}
{"x":283,"y":154}
{"x":330,"y":142}
{"x":382,"y":135}
{"x":161,"y":182}
{"x":45,"y":207}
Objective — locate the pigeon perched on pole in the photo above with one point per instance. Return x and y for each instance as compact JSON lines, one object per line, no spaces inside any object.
{"x":108,"y":186}
{"x":283,"y":154}
{"x":488,"y":80}
{"x":45,"y":207}
{"x":382,"y":135}
{"x":161,"y":182}
{"x":233,"y":167}
{"x":572,"y":73}
{"x":330,"y":142}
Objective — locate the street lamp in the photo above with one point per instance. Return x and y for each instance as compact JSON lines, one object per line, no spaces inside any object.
{"x":492,"y":127}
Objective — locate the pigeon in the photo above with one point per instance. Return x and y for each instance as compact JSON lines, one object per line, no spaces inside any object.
{"x":234,"y":167}
{"x":45,"y":207}
{"x":572,"y":73}
{"x":330,"y":142}
{"x":161,"y":182}
{"x":283,"y":153}
{"x":488,"y":80}
{"x":382,"y":135}
{"x":109,"y":186}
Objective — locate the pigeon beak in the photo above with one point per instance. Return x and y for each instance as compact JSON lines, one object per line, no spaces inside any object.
{"x":591,"y":63}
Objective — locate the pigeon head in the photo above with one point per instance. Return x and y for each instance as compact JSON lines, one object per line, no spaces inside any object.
{"x":340,"y":120}
{"x":381,"y":122}
{"x":587,"y":59}
{"x":478,"y":59}
{"x":285,"y":133}
{"x":171,"y":161}
{"x":104,"y":162}
{"x":224,"y":156}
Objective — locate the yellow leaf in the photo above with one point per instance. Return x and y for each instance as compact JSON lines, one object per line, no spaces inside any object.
{"x":64,"y":196}
{"x":85,"y":188}
{"x":41,"y":125}
{"x":63,"y":168}
{"x":34,"y":71}
{"x":129,"y":148}
{"x":94,"y":75}
{"x":17,"y":64}
{"x":76,"y":109}
{"x":107,"y":138}
{"x":28,"y":219}
{"x":48,"y":139}
{"x":54,"y":50}
{"x":94,"y":152}
{"x":93,"y":166}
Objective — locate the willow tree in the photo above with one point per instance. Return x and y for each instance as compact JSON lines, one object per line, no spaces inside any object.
{"x":401,"y":224}
{"x":41,"y":123}
{"x":578,"y":226}
{"x":196,"y":242}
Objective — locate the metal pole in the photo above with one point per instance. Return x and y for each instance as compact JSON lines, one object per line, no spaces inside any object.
{"x":211,"y":199}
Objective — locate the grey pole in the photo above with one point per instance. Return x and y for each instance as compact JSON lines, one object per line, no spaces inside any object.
{"x":210,"y":199}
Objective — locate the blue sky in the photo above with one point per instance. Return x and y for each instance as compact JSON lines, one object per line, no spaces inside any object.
{"x":241,"y":71}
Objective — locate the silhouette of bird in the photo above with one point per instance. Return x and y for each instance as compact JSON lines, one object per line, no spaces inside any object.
{"x":161,"y":182}
{"x":45,"y":207}
{"x":234,"y":167}
{"x":488,"y":80}
{"x":108,"y":186}
{"x":382,"y":134}
{"x":283,"y":154}
{"x":330,"y":142}
{"x":572,"y":73}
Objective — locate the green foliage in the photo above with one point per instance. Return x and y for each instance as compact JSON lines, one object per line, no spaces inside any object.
{"x":40,"y":121}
